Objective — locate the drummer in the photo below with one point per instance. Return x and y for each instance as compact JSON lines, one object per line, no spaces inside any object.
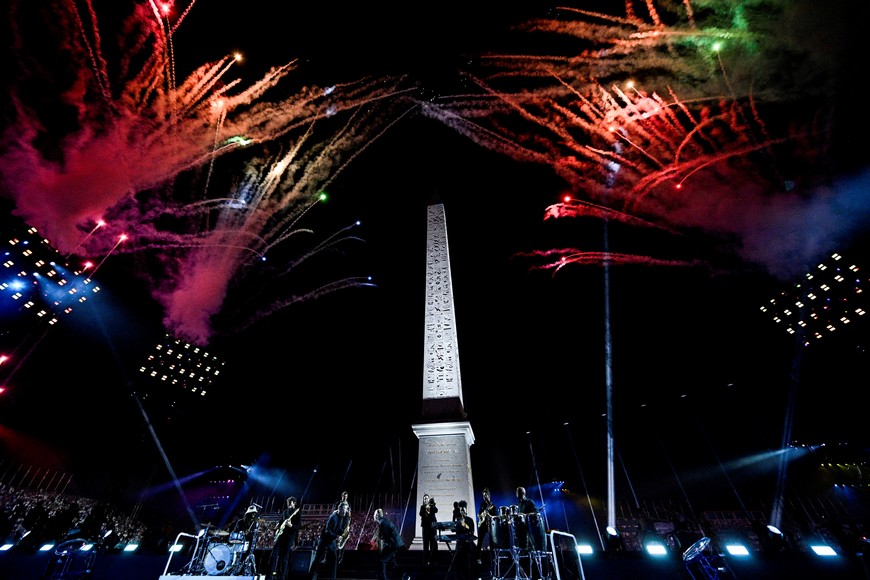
{"x":246,"y":526}
{"x":525,"y":509}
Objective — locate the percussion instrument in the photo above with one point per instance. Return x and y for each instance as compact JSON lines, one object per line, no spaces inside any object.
{"x":502,"y":529}
{"x":537,"y":533}
{"x":218,"y":559}
{"x":237,"y":538}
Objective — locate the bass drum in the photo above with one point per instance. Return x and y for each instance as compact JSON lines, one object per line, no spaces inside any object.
{"x":218,"y":559}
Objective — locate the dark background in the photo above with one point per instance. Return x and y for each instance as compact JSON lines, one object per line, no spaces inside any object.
{"x":700,"y":377}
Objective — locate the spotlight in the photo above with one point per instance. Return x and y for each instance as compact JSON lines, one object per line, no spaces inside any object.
{"x":775,"y":540}
{"x":737,"y":550}
{"x":613,"y":540}
{"x":823,"y":550}
{"x":6,"y":547}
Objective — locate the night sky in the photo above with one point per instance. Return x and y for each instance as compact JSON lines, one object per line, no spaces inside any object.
{"x":388,"y":111}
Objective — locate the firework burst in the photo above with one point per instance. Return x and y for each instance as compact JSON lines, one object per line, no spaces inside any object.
{"x":115,"y":135}
{"x":683,"y":118}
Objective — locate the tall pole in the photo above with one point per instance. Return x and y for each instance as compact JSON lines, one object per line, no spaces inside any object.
{"x":608,"y":381}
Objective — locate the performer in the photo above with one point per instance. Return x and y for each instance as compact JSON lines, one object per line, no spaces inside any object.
{"x":484,"y":523}
{"x":525,"y":527}
{"x":428,"y":519}
{"x":462,"y":557}
{"x":345,"y":533}
{"x":525,"y":508}
{"x":328,"y":543}
{"x":286,"y":537}
{"x":343,"y":497}
{"x":389,"y":542}
{"x":247,"y":527}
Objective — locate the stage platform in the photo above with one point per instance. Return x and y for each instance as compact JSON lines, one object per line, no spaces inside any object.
{"x":363,"y":565}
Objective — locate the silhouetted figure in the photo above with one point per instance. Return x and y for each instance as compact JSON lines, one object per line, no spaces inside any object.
{"x":462,"y":557}
{"x":328,"y":543}
{"x":285,"y":539}
{"x":485,"y":523}
{"x":389,"y":543}
{"x":428,"y":519}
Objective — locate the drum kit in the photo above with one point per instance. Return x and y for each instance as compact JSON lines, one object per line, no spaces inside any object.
{"x":221,"y":553}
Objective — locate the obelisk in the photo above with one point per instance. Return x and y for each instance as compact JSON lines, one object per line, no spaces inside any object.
{"x":444,"y":459}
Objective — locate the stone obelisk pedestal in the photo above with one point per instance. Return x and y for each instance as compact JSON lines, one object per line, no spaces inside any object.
{"x":443,"y":460}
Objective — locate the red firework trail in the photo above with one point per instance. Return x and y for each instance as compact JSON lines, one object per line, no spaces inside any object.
{"x":642,"y":118}
{"x":573,"y":208}
{"x":561,"y":257}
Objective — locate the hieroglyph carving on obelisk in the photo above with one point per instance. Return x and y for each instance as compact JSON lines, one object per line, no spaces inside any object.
{"x":442,"y":379}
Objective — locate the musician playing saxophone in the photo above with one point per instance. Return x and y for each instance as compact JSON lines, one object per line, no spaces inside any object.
{"x":345,"y":533}
{"x":328,"y":542}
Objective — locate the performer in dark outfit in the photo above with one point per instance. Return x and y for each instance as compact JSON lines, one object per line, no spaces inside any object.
{"x":328,"y":543}
{"x":246,"y":528}
{"x":527,"y":526}
{"x":345,"y":533}
{"x":525,"y":508}
{"x":428,"y":519}
{"x":462,"y":557}
{"x":484,"y":523}
{"x":285,"y":539}
{"x":389,"y":543}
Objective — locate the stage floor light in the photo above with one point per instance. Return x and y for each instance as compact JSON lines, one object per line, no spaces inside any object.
{"x":823,"y":550}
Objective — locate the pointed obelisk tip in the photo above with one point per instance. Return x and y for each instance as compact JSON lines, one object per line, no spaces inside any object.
{"x":434,"y":198}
